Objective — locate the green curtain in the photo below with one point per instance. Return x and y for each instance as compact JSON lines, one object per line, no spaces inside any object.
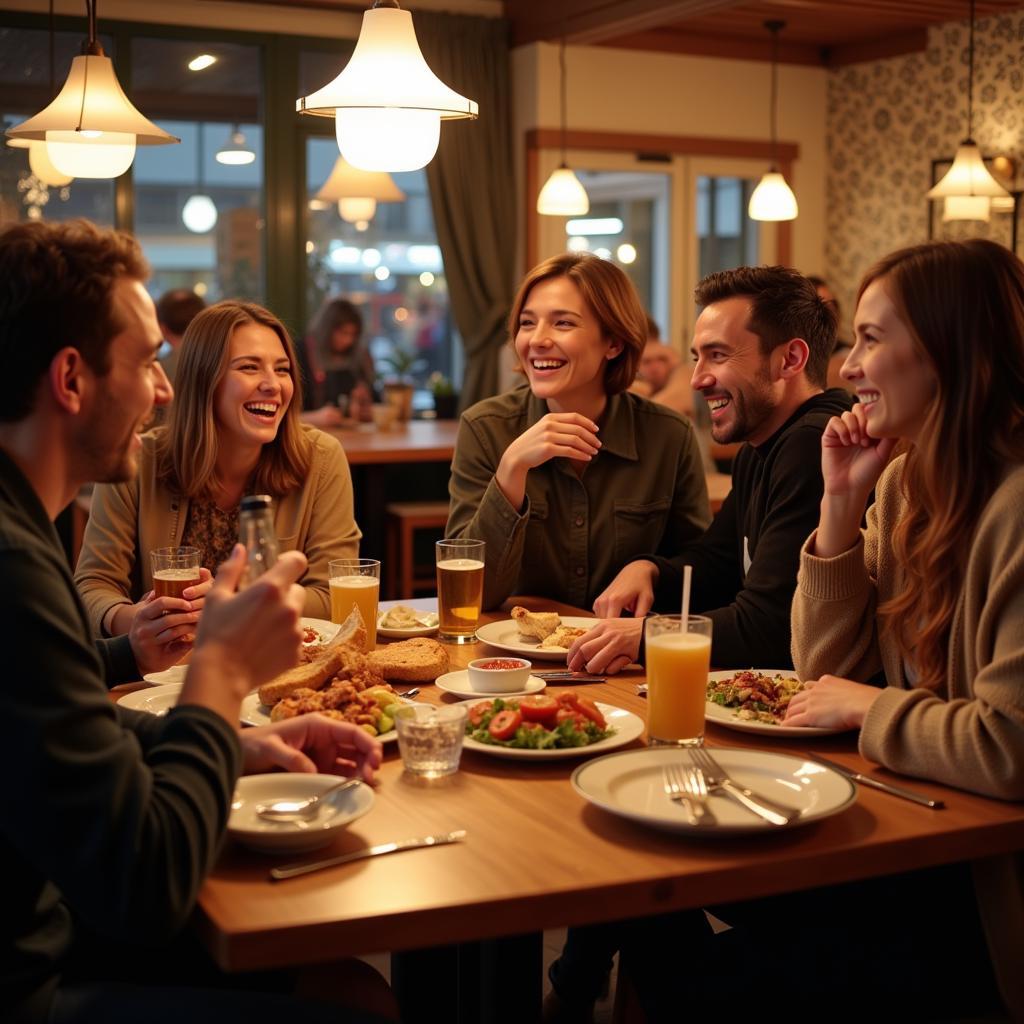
{"x":472,"y":188}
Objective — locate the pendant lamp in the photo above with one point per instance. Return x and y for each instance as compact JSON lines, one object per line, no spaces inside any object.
{"x":387,"y":104}
{"x":237,"y":152}
{"x":357,"y":192}
{"x":968,"y":178}
{"x":91,"y":128}
{"x":199,"y":214}
{"x":563,"y":195}
{"x":773,"y":199}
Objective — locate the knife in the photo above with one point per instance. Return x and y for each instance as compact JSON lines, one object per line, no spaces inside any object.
{"x":885,"y":787}
{"x":569,"y":677}
{"x":294,"y":870}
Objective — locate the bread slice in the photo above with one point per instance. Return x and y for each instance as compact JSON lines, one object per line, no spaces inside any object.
{"x":419,"y":660}
{"x":535,"y":625}
{"x":311,"y":676}
{"x":562,"y":637}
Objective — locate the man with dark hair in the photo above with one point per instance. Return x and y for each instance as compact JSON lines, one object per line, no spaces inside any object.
{"x":761,"y":346}
{"x":116,"y":816}
{"x":175,"y":310}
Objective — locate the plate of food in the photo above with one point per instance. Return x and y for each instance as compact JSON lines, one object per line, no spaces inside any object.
{"x":755,"y":700}
{"x":631,"y":785}
{"x":156,"y":700}
{"x":542,"y":727}
{"x":403,"y":620}
{"x":458,"y":685}
{"x":537,"y":635}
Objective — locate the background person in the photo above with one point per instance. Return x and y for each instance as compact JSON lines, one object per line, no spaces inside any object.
{"x":569,"y":476}
{"x":175,"y":310}
{"x":233,"y":430}
{"x":118,"y":815}
{"x":843,"y":343}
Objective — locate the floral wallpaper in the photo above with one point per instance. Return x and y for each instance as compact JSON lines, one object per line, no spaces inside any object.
{"x":889,"y":119}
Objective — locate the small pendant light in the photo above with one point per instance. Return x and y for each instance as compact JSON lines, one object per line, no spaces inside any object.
{"x":237,"y":152}
{"x":357,"y":192}
{"x":563,"y":195}
{"x":773,"y":199}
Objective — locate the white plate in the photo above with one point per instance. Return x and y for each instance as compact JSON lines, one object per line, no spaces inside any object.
{"x":428,"y":613}
{"x":293,"y":837}
{"x":727,"y":716}
{"x":457,"y":684}
{"x":157,"y":700}
{"x":253,"y":712}
{"x":630,"y":784}
{"x":505,"y":636}
{"x":627,"y":726}
{"x":176,"y":673}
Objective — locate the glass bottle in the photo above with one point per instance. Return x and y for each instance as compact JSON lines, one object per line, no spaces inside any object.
{"x":256,"y":532}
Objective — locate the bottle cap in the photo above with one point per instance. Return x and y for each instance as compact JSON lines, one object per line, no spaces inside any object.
{"x":256,"y":502}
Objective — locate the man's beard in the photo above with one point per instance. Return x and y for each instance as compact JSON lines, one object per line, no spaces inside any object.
{"x":750,"y":408}
{"x":105,"y":445}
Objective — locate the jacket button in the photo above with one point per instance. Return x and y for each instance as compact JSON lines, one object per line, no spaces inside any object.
{"x":579,"y":570}
{"x":579,"y":520}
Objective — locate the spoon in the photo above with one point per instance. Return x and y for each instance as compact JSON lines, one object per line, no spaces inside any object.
{"x":410,"y":693}
{"x":301,"y":810}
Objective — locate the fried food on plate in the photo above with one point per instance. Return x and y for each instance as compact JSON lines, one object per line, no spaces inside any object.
{"x":535,"y":625}
{"x":419,"y":660}
{"x":562,"y":637}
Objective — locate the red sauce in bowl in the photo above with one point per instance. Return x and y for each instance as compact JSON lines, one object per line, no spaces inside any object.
{"x":500,"y":665}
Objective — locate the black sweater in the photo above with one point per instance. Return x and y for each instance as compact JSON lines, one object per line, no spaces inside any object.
{"x":745,"y":564}
{"x":113,"y":817}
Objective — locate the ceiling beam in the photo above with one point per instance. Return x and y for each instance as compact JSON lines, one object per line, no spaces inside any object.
{"x":672,"y":40}
{"x":593,"y":21}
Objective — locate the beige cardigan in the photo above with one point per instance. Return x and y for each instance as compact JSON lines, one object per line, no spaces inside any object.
{"x":127,"y":520}
{"x":970,"y":734}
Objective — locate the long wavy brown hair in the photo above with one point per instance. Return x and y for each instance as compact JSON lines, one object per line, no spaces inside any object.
{"x":186,"y":449}
{"x":963,"y":303}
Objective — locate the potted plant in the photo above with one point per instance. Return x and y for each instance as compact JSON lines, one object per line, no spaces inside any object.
{"x":446,"y":401}
{"x":398,"y":385}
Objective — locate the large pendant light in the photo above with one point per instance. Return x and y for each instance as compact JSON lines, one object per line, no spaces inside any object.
{"x":357,"y":192}
{"x":563,"y":195}
{"x":91,"y":128}
{"x":773,"y":199}
{"x":968,"y":178}
{"x":387,"y":104}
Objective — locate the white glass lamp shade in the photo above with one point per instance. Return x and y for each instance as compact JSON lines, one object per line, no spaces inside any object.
{"x":966,"y":208}
{"x":385,"y":92}
{"x":773,"y":199}
{"x":356,"y":209}
{"x":968,"y":176}
{"x":42,"y":166}
{"x":348,"y":182}
{"x":563,"y":195}
{"x":236,"y":153}
{"x":91,"y":113}
{"x":199,"y":214}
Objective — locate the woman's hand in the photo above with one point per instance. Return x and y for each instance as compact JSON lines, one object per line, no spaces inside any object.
{"x":831,"y":703}
{"x":851,"y":461}
{"x":632,"y":591}
{"x":311,"y":743}
{"x":609,"y":647}
{"x":163,"y":629}
{"x":566,"y":435}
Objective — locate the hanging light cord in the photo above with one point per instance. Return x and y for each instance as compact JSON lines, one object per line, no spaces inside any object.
{"x":970,"y":78}
{"x":90,"y":10}
{"x":774,"y":27}
{"x":564,"y":91}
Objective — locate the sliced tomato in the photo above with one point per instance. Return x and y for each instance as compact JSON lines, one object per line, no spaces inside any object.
{"x":568,"y":715}
{"x":568,"y":698}
{"x":504,"y":724}
{"x":477,"y":712}
{"x":589,"y":708}
{"x":539,"y":708}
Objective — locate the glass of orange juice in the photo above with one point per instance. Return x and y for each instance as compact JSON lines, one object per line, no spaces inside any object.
{"x":356,"y":581}
{"x":677,"y":678}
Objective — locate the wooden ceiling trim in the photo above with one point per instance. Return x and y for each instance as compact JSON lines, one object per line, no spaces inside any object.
{"x":727,"y":47}
{"x":692,"y":145}
{"x":896,"y":45}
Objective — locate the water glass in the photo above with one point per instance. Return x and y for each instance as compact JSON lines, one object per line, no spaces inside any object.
{"x":430,"y":738}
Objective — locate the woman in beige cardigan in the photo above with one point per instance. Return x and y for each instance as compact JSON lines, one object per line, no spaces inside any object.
{"x":233,"y":429}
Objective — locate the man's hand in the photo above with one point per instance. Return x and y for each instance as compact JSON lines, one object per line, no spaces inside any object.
{"x":608,"y":648}
{"x":632,"y":591}
{"x":311,"y":743}
{"x":831,"y":703}
{"x":163,"y":629}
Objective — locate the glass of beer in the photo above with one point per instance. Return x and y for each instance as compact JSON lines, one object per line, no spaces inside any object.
{"x":678,"y":660}
{"x":460,"y":589}
{"x":174,"y":570}
{"x":355,"y":581}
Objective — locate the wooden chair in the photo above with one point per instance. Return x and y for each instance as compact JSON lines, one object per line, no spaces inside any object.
{"x":403,"y":519}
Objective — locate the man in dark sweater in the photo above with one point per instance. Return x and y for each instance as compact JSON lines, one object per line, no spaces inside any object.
{"x":761,"y":345}
{"x":113,"y":817}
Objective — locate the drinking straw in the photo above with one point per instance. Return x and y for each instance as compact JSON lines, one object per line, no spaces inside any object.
{"x":687,"y":577}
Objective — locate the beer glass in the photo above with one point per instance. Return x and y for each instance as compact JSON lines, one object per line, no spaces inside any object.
{"x":460,"y":589}
{"x":174,"y":570}
{"x":677,"y":678}
{"x":356,"y":581}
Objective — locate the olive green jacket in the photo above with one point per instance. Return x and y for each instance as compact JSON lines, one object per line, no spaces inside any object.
{"x":128,"y":520}
{"x":643,"y":491}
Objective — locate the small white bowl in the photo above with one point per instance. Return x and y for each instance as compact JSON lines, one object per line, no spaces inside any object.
{"x":506,"y":679}
{"x":293,"y":837}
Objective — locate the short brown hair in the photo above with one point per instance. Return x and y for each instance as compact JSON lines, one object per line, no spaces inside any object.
{"x":177,"y":308}
{"x":187,"y":447}
{"x":56,"y":289}
{"x":783,"y":305}
{"x":611,"y":297}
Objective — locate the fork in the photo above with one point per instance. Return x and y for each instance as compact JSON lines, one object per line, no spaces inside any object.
{"x":716,"y":778}
{"x":675,"y":790}
{"x":697,"y":786}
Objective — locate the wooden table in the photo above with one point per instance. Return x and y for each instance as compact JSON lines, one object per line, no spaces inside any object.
{"x":538,"y":856}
